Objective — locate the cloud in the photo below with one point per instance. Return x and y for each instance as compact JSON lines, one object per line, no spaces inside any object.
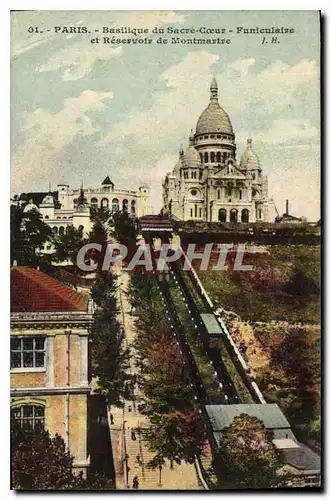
{"x":174,"y":109}
{"x":77,"y":60}
{"x":46,"y":134}
{"x":285,"y":130}
{"x":242,"y":65}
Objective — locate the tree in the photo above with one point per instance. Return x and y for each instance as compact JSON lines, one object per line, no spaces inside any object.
{"x":68,"y":244}
{"x":110,"y":360}
{"x":125,"y":229}
{"x":247,"y":457}
{"x":40,"y":462}
{"x":176,"y":435}
{"x":28,"y":235}
{"x":98,"y":235}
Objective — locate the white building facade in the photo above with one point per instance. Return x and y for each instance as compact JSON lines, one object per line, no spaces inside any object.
{"x":67,"y":206}
{"x":207,"y":184}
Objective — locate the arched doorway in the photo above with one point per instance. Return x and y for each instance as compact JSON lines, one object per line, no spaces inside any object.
{"x":222,"y":215}
{"x":115,"y":205}
{"x":94,"y":204}
{"x":125,"y":205}
{"x":104,"y":203}
{"x":234,"y":215}
{"x":245,"y":215}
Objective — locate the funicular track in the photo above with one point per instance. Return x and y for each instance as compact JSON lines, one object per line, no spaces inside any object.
{"x":234,"y":384}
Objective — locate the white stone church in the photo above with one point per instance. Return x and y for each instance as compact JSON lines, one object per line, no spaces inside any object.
{"x":207,"y":184}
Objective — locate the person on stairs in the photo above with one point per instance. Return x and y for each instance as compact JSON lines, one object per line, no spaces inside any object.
{"x":135,"y":482}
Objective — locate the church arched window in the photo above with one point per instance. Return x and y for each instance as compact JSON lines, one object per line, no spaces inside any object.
{"x":206,"y":157}
{"x":245,"y":215}
{"x":218,"y":157}
{"x":212,"y":157}
{"x":222,"y":215}
{"x":201,"y":157}
{"x":133,"y":207}
{"x":240,"y":194}
{"x":233,"y":215}
{"x":61,"y":230}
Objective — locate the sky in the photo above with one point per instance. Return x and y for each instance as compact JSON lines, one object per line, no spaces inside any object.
{"x":82,"y":110}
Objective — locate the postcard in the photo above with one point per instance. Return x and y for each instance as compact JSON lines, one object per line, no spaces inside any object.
{"x":165,"y":250}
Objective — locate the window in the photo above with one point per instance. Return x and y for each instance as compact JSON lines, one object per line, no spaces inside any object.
{"x":200,"y":212}
{"x":27,"y":352}
{"x":212,"y":136}
{"x":212,"y":157}
{"x":61,"y":230}
{"x":218,"y":157}
{"x":201,"y":157}
{"x":195,"y":210}
{"x":240,"y":194}
{"x":194,"y":192}
{"x":94,"y":204}
{"x":46,"y":217}
{"x":218,"y":194}
{"x":133,"y":207}
{"x":30,"y":417}
{"x":193,"y":175}
{"x":191,"y":212}
{"x":206,"y":157}
{"x":55,"y":230}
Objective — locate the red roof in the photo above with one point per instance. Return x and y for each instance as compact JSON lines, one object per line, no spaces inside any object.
{"x":35,"y":291}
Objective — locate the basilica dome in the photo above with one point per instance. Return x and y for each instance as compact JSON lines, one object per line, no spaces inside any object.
{"x":249,"y":159}
{"x":214,"y":119}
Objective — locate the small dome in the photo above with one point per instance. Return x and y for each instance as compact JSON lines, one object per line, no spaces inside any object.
{"x":249,"y":160}
{"x":177,"y":167}
{"x":214,"y":119}
{"x":30,"y":206}
{"x":191,"y":157}
{"x":48,"y":200}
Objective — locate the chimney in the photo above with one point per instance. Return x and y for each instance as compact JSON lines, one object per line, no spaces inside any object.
{"x":286,"y":210}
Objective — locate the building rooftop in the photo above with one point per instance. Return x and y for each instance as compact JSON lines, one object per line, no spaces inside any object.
{"x":295,"y":453}
{"x":270,"y":414}
{"x":34,"y":291}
